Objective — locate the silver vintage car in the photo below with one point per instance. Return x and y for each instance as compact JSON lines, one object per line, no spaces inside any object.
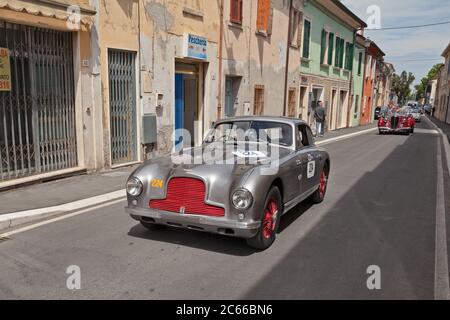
{"x":245,"y":175}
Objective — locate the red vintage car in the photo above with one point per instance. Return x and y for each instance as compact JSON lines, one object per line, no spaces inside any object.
{"x":396,"y":122}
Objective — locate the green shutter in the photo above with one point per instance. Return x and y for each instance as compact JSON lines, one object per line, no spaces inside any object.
{"x":337,"y":52}
{"x":360,"y":63}
{"x":352,"y":56}
{"x":306,"y":38}
{"x":330,"y":48}
{"x":347,"y":56}
{"x":323,"y":46}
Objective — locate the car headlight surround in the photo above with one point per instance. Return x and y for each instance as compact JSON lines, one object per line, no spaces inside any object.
{"x":242,"y":199}
{"x":134,"y":187}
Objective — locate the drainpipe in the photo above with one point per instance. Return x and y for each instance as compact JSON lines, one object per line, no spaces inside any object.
{"x":288,"y":44}
{"x":219,"y":85}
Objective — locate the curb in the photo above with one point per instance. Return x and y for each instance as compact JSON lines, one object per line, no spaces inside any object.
{"x":444,"y":140}
{"x":345,"y":136}
{"x":15,"y":219}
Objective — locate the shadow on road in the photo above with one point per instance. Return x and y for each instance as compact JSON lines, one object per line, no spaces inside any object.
{"x":212,"y":242}
{"x":195,"y":239}
{"x":387,"y":219}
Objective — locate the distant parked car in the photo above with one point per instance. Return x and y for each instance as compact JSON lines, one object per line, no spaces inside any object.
{"x":416,"y":114}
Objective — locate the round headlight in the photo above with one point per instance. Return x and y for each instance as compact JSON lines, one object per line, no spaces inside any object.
{"x":134,"y":187}
{"x":242,"y":199}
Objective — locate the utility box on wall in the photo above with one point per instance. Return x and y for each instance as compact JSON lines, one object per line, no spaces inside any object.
{"x":150,"y":132}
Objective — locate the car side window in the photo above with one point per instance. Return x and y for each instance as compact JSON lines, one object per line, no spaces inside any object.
{"x":304,"y":136}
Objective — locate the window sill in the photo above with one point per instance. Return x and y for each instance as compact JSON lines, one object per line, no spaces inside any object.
{"x":235,"y":25}
{"x":192,"y":12}
{"x":262,"y":33}
{"x":324,"y":65}
{"x":306,"y":59}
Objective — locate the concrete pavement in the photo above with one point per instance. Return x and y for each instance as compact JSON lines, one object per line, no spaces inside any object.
{"x":380,"y":210}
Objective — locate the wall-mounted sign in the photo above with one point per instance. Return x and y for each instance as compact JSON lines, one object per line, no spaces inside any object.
{"x":5,"y":70}
{"x":195,"y":47}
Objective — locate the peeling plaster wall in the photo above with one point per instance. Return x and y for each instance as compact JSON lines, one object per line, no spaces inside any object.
{"x":259,"y":59}
{"x":158,"y":43}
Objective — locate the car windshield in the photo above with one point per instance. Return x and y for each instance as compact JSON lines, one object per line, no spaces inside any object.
{"x":257,"y":131}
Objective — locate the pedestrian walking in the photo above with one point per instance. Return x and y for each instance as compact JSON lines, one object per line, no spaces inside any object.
{"x":319,"y":117}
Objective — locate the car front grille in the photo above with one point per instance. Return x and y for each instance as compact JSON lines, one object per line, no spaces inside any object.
{"x":186,"y":196}
{"x":394,"y":122}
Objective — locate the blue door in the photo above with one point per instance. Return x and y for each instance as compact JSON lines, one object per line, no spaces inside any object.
{"x":179,"y":109}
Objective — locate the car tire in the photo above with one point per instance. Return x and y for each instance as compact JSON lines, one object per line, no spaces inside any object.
{"x":268,"y":229}
{"x":152,"y":226}
{"x":319,"y":194}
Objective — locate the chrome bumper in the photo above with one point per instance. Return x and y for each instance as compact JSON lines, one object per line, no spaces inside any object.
{"x":387,"y":129}
{"x":195,"y":222}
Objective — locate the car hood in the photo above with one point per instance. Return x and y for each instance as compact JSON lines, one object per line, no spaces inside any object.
{"x":219,"y":177}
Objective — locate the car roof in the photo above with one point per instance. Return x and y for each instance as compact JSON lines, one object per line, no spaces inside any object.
{"x":289,"y":120}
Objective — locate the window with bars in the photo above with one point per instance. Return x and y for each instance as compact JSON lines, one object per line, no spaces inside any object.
{"x":236,"y":11}
{"x":258,"y":108}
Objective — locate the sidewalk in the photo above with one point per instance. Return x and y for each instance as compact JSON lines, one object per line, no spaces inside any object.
{"x":58,"y":192}
{"x":445,"y":127}
{"x":345,"y":131}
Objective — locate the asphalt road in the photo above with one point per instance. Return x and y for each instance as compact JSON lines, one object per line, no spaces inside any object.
{"x":380,"y":210}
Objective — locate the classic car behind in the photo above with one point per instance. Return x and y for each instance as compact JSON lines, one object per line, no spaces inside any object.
{"x":398,"y":121}
{"x":271,"y":164}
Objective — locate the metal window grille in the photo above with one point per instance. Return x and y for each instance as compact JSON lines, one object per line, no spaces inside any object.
{"x":37,"y":117}
{"x":122,"y":101}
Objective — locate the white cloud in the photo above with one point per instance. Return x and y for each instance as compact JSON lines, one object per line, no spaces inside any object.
{"x":411,"y":44}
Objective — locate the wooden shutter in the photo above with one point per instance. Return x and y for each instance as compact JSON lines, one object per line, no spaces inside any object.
{"x":236,"y":11}
{"x":330,"y":48}
{"x":323,"y":46}
{"x":337,"y":52}
{"x":263,"y":15}
{"x":306,"y":38}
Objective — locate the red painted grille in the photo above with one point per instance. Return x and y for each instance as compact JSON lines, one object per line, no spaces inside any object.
{"x":187,"y":193}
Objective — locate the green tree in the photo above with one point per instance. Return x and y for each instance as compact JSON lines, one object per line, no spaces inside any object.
{"x":401,"y":85}
{"x":422,"y":86}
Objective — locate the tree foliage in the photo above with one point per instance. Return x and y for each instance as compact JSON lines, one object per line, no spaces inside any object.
{"x":401,"y":85}
{"x":432,"y":74}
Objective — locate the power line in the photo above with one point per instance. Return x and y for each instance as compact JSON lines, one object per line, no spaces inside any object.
{"x":411,"y":27}
{"x":415,"y":60}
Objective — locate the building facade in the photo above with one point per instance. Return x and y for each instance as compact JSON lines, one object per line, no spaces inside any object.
{"x":442,"y":103}
{"x":329,"y":31}
{"x":358,"y":80}
{"x":261,"y":57}
{"x":374,"y":57}
{"x":42,"y":47}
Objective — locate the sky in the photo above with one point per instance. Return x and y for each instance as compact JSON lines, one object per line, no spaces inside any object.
{"x":408,"y":44}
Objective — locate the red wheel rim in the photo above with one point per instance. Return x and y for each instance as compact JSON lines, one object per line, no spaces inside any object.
{"x":323,"y":184}
{"x":270,"y":219}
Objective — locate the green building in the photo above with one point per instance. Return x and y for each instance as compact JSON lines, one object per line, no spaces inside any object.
{"x":327,"y":63}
